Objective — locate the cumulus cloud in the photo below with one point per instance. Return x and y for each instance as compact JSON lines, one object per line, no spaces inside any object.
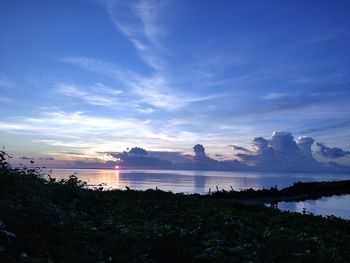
{"x":304,"y":143}
{"x":331,"y":152}
{"x":201,"y":161}
{"x":139,"y":157}
{"x":282,"y":153}
{"x":284,"y":142}
{"x":239,"y":148}
{"x":199,"y":150}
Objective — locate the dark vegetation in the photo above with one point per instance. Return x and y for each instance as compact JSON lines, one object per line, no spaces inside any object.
{"x":297,"y":192}
{"x":43,"y":220}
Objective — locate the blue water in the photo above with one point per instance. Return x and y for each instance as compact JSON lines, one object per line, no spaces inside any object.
{"x":336,"y":205}
{"x":192,"y":181}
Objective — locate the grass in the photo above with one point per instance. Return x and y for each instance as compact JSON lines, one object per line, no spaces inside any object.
{"x":43,"y":220}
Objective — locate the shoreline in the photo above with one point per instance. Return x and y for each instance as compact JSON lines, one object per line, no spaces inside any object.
{"x":300,"y":191}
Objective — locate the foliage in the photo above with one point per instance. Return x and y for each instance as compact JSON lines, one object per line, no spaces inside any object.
{"x":298,"y":192}
{"x":63,"y":221}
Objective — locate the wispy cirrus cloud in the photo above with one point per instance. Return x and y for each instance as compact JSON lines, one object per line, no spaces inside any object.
{"x":326,"y":127}
{"x":71,"y":130}
{"x":90,"y":95}
{"x":156,"y":90}
{"x":88,"y":133}
{"x":140,"y":22}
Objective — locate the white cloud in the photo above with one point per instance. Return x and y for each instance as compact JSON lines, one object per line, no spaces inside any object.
{"x":80,"y":131}
{"x":91,"y":95}
{"x":140,"y":22}
{"x":104,"y":68}
{"x":154,"y":90}
{"x":283,"y":153}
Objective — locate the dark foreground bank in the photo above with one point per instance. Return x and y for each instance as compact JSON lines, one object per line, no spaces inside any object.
{"x":48,"y":221}
{"x":300,"y":191}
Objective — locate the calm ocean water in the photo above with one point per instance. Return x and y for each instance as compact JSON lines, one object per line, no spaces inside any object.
{"x":335,"y":205}
{"x":200,"y":182}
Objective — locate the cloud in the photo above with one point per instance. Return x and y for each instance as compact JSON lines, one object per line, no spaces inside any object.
{"x":239,"y":148}
{"x":89,"y":133}
{"x":90,"y":96}
{"x":296,"y":101}
{"x":325,"y":128}
{"x":304,"y":143}
{"x":279,"y":153}
{"x":329,"y":152}
{"x":47,"y":158}
{"x":79,"y":129}
{"x":154,"y":90}
{"x":174,"y":157}
{"x":102,"y":67}
{"x":199,"y":150}
{"x":174,"y":160}
{"x":140,"y":22}
{"x":139,"y":157}
{"x":33,"y":158}
{"x":26,"y":158}
{"x":282,"y":153}
{"x":283,"y":142}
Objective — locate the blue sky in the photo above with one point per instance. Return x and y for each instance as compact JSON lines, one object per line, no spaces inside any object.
{"x":82,"y":77}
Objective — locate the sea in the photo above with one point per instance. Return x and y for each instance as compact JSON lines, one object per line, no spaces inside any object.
{"x":203,"y":182}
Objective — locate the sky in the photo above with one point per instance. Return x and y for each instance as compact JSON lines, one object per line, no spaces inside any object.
{"x":80,"y":78}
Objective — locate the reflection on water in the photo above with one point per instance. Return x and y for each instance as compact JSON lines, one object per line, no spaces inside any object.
{"x":192,"y":181}
{"x":336,"y":205}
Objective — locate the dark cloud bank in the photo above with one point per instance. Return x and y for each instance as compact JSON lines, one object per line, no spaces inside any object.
{"x":40,"y":158}
{"x":280,"y":153}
